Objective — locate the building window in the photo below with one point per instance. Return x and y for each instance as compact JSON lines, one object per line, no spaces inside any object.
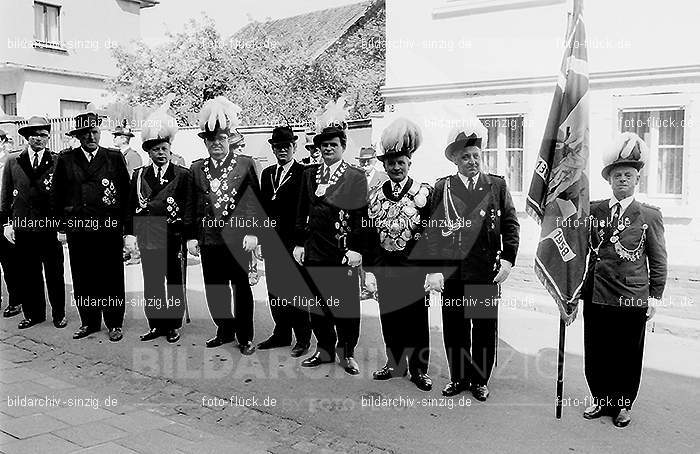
{"x":47,"y":23}
{"x":503,"y":152}
{"x":9,"y":103}
{"x":663,"y":132}
{"x":72,"y":108}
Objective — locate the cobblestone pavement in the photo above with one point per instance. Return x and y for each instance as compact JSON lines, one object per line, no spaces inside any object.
{"x":95,"y":406}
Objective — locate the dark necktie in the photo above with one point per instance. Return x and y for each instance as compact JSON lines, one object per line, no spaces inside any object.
{"x":615,"y":219}
{"x":278,"y":175}
{"x":326,"y":175}
{"x":159,"y":175}
{"x":472,"y":185}
{"x":397,"y":189}
{"x":35,"y":163}
{"x":89,"y":156}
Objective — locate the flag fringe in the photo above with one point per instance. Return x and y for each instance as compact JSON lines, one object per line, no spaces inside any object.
{"x":568,"y":308}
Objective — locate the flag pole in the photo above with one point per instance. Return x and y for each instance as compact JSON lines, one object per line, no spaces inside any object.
{"x":560,"y":367}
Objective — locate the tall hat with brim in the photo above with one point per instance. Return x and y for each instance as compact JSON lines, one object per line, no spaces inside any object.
{"x":159,"y":126}
{"x":218,"y":115}
{"x":122,"y":131}
{"x":331,"y":121}
{"x":310,"y":140}
{"x":628,"y":149}
{"x":401,"y":138}
{"x":282,"y":134}
{"x":470,"y":133}
{"x":34,"y":124}
{"x":84,"y":121}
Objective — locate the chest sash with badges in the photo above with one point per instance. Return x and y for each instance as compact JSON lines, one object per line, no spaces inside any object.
{"x":144,"y":194}
{"x":614,"y":233}
{"x":221,"y":195}
{"x":397,"y":221}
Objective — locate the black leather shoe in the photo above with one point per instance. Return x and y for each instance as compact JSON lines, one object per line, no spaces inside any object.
{"x":455,"y":387}
{"x":595,"y":411}
{"x":172,"y":336}
{"x":299,"y":349}
{"x":422,"y":381}
{"x":386,"y":372}
{"x":273,"y":342}
{"x":480,"y":392}
{"x":622,"y":419}
{"x":351,"y":366}
{"x":217,"y":341}
{"x":316,"y":360}
{"x":84,"y":331}
{"x":11,"y":311}
{"x":115,"y":334}
{"x":247,"y":348}
{"x":28,"y":323}
{"x":60,"y":323}
{"x":153,"y":333}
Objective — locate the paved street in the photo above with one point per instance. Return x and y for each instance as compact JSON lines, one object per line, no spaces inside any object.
{"x":184,"y":398}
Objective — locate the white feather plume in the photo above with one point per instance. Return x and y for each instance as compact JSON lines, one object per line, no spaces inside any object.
{"x":333,"y":114}
{"x":622,"y":147}
{"x":469,"y":125}
{"x":219,"y":110}
{"x":401,"y":134}
{"x":160,"y":125}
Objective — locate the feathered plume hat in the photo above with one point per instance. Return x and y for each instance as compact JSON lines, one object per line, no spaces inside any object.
{"x":159,"y":126}
{"x":627,"y":149}
{"x":470,"y":133}
{"x":401,"y":137}
{"x":218,"y":114}
{"x":331,"y":121}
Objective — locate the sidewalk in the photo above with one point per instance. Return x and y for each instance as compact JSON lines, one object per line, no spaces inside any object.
{"x":95,"y":407}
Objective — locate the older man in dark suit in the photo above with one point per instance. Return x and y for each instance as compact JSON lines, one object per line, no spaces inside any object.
{"x":476,"y":242}
{"x":626,"y":278}
{"x":26,"y":214}
{"x":280,"y":186}
{"x":222,"y":221}
{"x":90,"y":195}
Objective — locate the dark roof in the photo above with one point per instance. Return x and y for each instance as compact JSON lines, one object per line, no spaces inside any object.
{"x":314,"y":32}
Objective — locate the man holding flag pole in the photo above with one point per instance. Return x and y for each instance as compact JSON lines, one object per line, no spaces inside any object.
{"x":558,"y":198}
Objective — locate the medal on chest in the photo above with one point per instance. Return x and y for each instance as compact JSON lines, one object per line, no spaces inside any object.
{"x":223,"y":197}
{"x":322,"y":189}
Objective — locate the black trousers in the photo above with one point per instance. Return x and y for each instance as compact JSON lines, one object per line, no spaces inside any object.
{"x":10,"y":269}
{"x":164,"y":302}
{"x":470,"y":329}
{"x":335,"y":308}
{"x":613,"y":342}
{"x":97,"y":268}
{"x":40,"y":257}
{"x":404,"y":316}
{"x":286,"y":284}
{"x":223,"y":269}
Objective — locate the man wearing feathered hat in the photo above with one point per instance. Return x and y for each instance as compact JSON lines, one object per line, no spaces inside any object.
{"x":280,"y":185}
{"x":90,"y":193}
{"x":222,"y":222}
{"x":398,"y":210}
{"x":7,"y":250}
{"x":26,"y":184}
{"x":627,"y":276}
{"x":475,"y":242}
{"x":329,"y":241}
{"x":122,"y":137}
{"x":159,"y":193}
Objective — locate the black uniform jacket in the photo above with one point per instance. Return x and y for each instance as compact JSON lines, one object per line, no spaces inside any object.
{"x":281,"y":205}
{"x":330,"y":224}
{"x":26,"y":192}
{"x":236,"y":211}
{"x":613,"y":278}
{"x":468,"y":243}
{"x":91,"y":196}
{"x":159,"y":207}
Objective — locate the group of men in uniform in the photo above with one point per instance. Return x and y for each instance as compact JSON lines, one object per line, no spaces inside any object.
{"x":326,"y":223}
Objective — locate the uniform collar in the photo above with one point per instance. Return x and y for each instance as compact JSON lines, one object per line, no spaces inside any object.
{"x":402,"y":183}
{"x":32,"y":153}
{"x":624,"y":203}
{"x":164,"y":168}
{"x":285,"y":168}
{"x":333,"y":167}
{"x":465,"y":179}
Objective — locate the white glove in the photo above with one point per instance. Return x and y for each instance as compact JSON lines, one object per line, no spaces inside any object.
{"x":353,"y":258}
{"x":61,"y":237}
{"x":193,"y":247}
{"x":130,"y":243}
{"x":652,"y":303}
{"x":503,"y":273}
{"x":9,"y":233}
{"x":250,"y":242}
{"x":298,"y":254}
{"x":434,"y":281}
{"x":370,"y":282}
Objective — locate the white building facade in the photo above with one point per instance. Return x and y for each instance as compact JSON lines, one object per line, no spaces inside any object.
{"x":56,"y":54}
{"x":500,"y":59}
